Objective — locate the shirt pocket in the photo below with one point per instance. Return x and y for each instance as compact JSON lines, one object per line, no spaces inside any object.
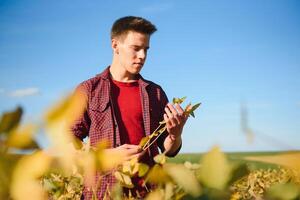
{"x":99,"y":104}
{"x":101,"y":118}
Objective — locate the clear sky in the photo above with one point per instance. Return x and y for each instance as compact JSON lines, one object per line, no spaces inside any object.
{"x":220,"y":53}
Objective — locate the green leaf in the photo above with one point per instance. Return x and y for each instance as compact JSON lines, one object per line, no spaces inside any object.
{"x":143,"y":169}
{"x":238,"y":172}
{"x":215,"y":170}
{"x":10,"y":120}
{"x":178,"y":100}
{"x":48,"y":185}
{"x":195,"y":107}
{"x":160,"y":159}
{"x":192,"y":114}
{"x":284,"y":191}
{"x":190,"y":109}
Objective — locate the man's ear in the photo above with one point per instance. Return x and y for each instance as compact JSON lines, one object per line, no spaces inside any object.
{"x":115,"y":45}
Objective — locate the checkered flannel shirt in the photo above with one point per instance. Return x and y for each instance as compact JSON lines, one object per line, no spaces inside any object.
{"x":99,"y":123}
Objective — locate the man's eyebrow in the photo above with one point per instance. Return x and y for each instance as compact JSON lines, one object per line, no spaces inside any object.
{"x":147,"y":47}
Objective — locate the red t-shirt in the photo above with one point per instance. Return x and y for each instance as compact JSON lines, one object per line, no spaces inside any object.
{"x":128,"y":108}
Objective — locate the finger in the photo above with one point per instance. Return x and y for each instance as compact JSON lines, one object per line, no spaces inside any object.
{"x":179,"y":109}
{"x":175,"y":114}
{"x":138,"y":155}
{"x":168,"y":112}
{"x":172,"y":109}
{"x":169,"y":123}
{"x":131,"y":146}
{"x":133,"y":151}
{"x":181,"y":115}
{"x":170,"y":116}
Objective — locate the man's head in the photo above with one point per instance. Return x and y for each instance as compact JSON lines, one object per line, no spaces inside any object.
{"x":130,"y":23}
{"x":130,"y":38}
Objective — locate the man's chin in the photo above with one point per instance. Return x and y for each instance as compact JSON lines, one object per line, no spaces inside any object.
{"x":136,"y":70}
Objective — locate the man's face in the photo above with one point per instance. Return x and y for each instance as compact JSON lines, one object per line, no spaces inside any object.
{"x":131,"y":50}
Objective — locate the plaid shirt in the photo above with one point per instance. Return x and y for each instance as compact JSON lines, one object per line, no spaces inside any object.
{"x":99,"y":123}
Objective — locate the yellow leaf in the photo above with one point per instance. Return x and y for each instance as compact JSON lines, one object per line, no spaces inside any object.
{"x":25,"y":180}
{"x":157,"y":194}
{"x":160,"y":159}
{"x":58,"y":127}
{"x":191,"y":166}
{"x":130,"y":167}
{"x":143,"y":141}
{"x":89,"y":168}
{"x":22,"y":137}
{"x":124,"y":179}
{"x":184,"y":178}
{"x":108,"y":159}
{"x":70,"y":108}
{"x":157,"y":175}
{"x":126,"y":168}
{"x":215,"y":170}
{"x":169,"y":190}
{"x":10,"y":120}
{"x":178,"y":100}
{"x":143,"y":169}
{"x":190,"y":109}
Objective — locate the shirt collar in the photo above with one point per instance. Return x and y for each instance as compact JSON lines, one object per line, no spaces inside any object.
{"x":106,"y":76}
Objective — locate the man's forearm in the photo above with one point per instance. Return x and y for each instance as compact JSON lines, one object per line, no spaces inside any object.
{"x":171,"y":145}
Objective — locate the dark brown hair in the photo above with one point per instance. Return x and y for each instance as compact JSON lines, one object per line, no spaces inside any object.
{"x":131,"y":23}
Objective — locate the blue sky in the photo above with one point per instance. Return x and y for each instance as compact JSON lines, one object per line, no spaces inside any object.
{"x":220,"y":53}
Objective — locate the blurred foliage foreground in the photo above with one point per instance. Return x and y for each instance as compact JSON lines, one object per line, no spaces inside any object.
{"x":61,"y":171}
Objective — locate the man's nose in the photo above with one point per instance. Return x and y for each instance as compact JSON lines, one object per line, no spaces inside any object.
{"x":142,"y":54}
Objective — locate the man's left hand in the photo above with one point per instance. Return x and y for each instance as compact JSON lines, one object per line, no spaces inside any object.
{"x":175,"y":119}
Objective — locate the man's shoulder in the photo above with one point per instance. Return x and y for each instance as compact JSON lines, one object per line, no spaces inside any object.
{"x":91,"y":83}
{"x":155,"y":90}
{"x":151,"y":84}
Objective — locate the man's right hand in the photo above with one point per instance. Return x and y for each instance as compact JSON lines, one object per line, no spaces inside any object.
{"x":128,"y":151}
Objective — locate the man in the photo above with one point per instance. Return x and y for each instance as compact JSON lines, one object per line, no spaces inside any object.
{"x":123,"y":107}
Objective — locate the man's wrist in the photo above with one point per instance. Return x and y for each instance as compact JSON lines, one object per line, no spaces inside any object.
{"x":174,"y":138}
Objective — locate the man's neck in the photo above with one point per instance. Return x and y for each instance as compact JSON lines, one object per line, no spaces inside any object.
{"x":118,"y":73}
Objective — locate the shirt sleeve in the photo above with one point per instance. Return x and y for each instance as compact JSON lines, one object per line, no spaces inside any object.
{"x":80,"y":127}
